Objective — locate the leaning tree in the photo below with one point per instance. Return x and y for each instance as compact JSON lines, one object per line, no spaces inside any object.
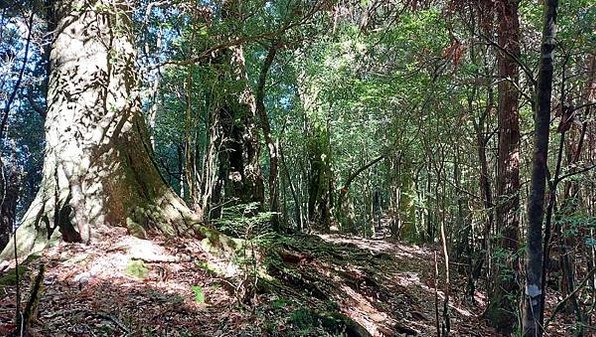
{"x":98,"y":169}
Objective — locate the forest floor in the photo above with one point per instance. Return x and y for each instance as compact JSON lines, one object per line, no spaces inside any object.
{"x":327,"y":285}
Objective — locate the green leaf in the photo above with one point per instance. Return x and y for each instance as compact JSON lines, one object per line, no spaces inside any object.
{"x":137,"y":269}
{"x":199,"y":295}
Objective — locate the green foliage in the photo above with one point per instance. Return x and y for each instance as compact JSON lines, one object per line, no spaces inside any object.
{"x":244,"y":221}
{"x":199,"y":295}
{"x":137,"y":269}
{"x":279,"y":303}
{"x":312,"y":323}
{"x":9,"y":278}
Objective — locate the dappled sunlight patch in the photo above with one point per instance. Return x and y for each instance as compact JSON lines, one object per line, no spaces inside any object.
{"x":480,"y":298}
{"x":379,"y":288}
{"x":360,"y":309}
{"x":125,"y":285}
{"x":408,"y":279}
{"x":380,"y":246}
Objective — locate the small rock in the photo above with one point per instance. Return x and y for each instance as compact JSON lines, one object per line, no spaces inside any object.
{"x":82,"y":279}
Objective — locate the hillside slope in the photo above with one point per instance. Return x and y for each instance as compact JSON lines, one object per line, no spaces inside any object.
{"x":305,"y":286}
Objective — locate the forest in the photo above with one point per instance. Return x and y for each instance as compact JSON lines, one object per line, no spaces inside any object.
{"x":298,"y":168}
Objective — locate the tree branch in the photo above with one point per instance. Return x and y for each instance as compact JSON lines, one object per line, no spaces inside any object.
{"x":245,"y":39}
{"x":581,"y":170}
{"x":20,"y":78}
{"x":353,"y":176}
{"x":522,"y":65}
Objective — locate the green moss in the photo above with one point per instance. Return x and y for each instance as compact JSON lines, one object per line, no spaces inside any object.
{"x":135,"y":229}
{"x":218,"y":244}
{"x":279,"y":303}
{"x":310,"y":320}
{"x":209,"y":268}
{"x":199,"y":294}
{"x":137,"y":268}
{"x":329,"y":323}
{"x":10,"y":277}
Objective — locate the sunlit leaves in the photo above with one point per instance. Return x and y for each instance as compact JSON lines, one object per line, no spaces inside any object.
{"x":199,"y":296}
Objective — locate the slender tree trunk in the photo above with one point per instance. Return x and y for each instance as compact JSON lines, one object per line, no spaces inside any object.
{"x":319,"y":179}
{"x":486,"y":192}
{"x":10,"y":177}
{"x":98,"y":168}
{"x":4,"y":229}
{"x":532,"y":309}
{"x":567,"y":252}
{"x":190,"y":153}
{"x":295,"y":195}
{"x":344,"y":210}
{"x":272,"y":145}
{"x":502,"y":309}
{"x":572,"y":195}
{"x":430,"y":226}
{"x":209,"y":172}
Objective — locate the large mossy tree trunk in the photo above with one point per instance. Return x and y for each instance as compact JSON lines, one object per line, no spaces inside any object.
{"x":98,"y":169}
{"x":240,"y":180}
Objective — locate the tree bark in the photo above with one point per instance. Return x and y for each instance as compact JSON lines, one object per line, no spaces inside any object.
{"x":11,"y":183}
{"x":319,"y":175}
{"x":190,"y":149}
{"x":98,"y":168}
{"x":502,"y":307}
{"x":532,"y":308}
{"x":4,"y":229}
{"x":239,"y":174}
{"x":272,"y":145}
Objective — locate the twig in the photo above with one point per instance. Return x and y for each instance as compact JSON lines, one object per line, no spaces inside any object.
{"x":19,"y":316}
{"x":582,"y":170}
{"x":516,"y":59}
{"x":445,"y":324}
{"x":111,"y":318}
{"x":163,"y":259}
{"x":438,"y":324}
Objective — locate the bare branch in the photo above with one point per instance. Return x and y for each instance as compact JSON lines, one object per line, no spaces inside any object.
{"x":20,"y":78}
